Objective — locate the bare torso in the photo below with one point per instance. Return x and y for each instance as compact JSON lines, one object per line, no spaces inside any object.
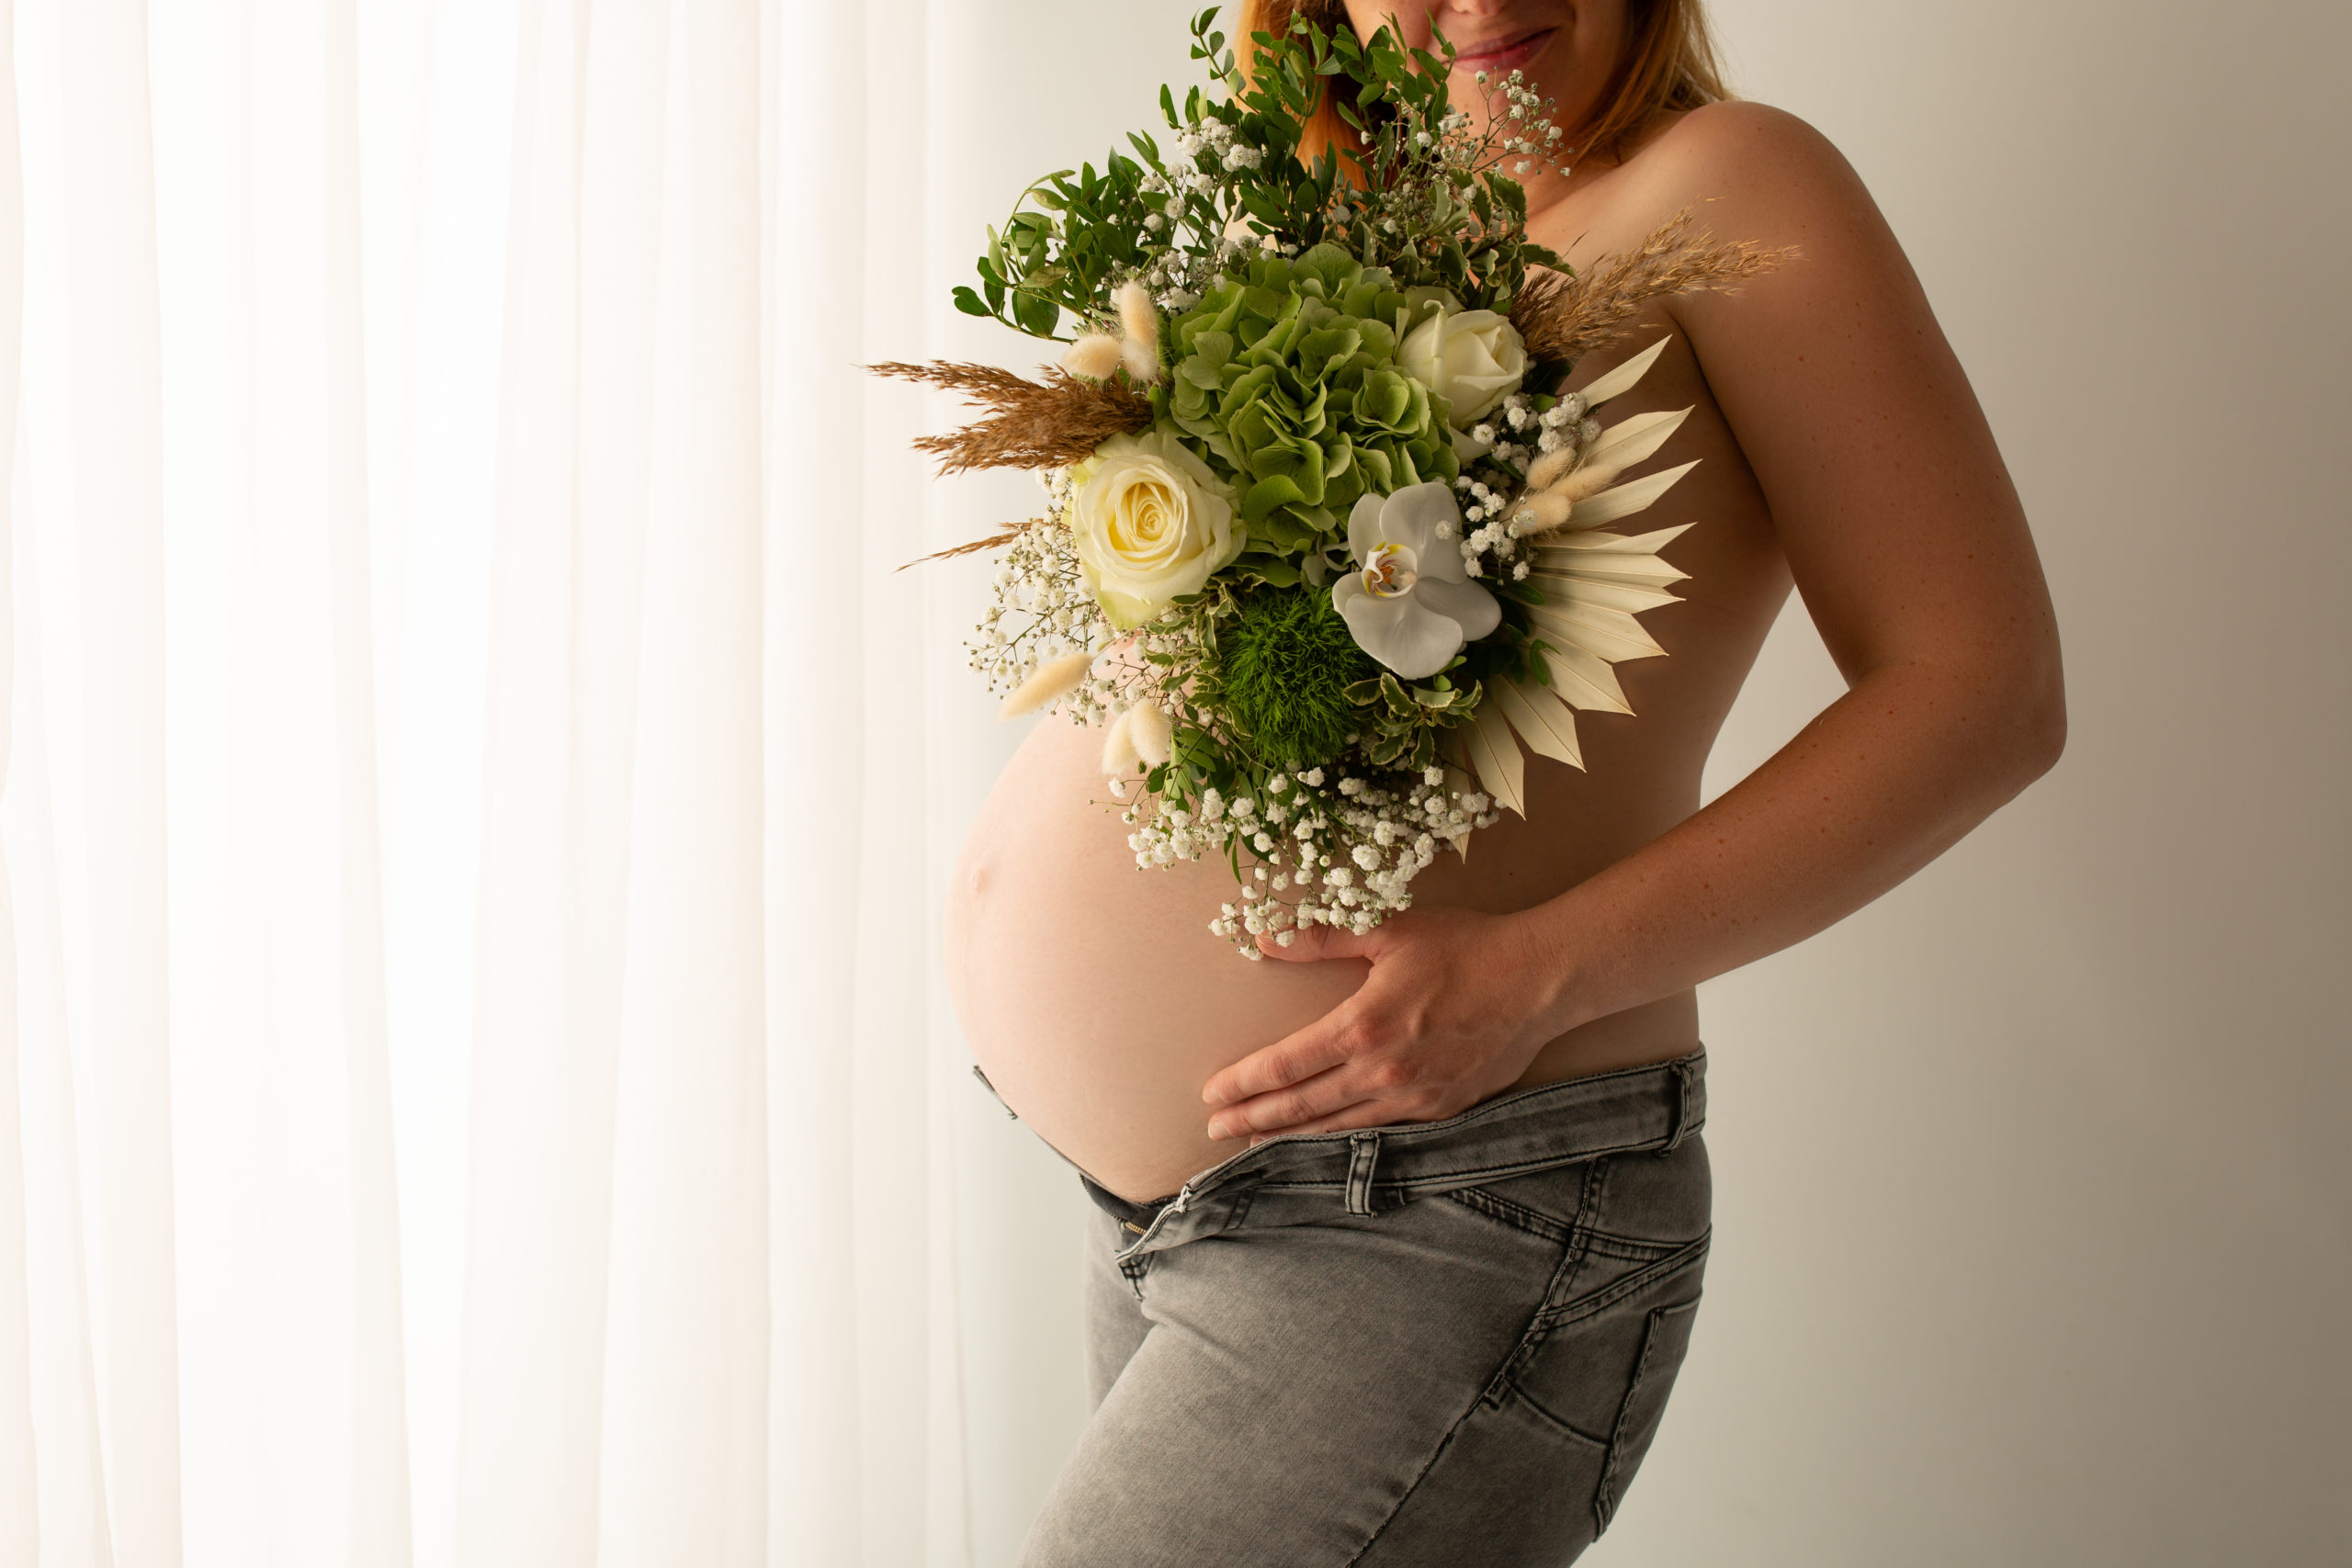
{"x":1092,"y":993}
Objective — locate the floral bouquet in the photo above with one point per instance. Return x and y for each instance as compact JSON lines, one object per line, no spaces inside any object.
{"x":1323,"y":542}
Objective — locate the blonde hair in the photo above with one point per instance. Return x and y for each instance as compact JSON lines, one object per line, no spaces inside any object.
{"x":1670,"y":64}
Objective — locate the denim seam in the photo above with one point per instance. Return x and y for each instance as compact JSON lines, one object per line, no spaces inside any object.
{"x":1641,"y":1279}
{"x":1588,"y":1208}
{"x":1468,"y":1175}
{"x":1437,"y":1452}
{"x":1534,"y":1222}
{"x":1240,"y":1211}
{"x":1629,"y":1249}
{"x":1504,"y":1211}
{"x":1528,"y":1403}
{"x":1504,"y":1383}
{"x":1578,"y":1309}
{"x":1572,"y":1256}
{"x":1489,"y":1396}
{"x":1605,"y":1504}
{"x":1563,"y":1273}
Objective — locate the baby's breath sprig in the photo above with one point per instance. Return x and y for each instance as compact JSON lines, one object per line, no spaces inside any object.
{"x":1329,"y":845}
{"x":1041,"y":609}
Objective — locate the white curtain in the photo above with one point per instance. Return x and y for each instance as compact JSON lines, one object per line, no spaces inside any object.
{"x":472,"y":1088}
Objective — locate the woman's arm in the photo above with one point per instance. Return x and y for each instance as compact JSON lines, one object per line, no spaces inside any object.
{"x":1910,"y":550}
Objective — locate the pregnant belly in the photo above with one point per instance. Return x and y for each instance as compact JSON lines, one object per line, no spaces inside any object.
{"x":1093,"y":994}
{"x":1098,"y":1002}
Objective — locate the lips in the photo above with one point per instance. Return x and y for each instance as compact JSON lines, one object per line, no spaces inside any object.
{"x":1510,"y":53}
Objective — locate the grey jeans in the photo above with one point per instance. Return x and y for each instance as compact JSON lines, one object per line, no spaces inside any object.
{"x":1431,"y":1343}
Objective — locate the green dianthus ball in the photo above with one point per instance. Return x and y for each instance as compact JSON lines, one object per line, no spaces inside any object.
{"x":1283,"y":666}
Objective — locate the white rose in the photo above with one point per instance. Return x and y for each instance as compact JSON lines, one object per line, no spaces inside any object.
{"x":1149,"y":523}
{"x":1471,"y":358}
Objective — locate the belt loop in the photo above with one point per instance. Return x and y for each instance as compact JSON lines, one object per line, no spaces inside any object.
{"x":1680,"y":1126}
{"x":1364,"y":1154}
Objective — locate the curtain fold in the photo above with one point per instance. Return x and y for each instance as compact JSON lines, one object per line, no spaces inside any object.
{"x":115,"y":386}
{"x":381,"y":1509}
{"x":615,"y":1404}
{"x":19,"y":1478}
{"x":864,"y":1212}
{"x":385,"y":366}
{"x":562,"y":731}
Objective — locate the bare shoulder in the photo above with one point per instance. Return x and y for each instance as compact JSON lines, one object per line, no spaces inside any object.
{"x":1832,"y":374}
{"x":1744,"y":171}
{"x":1739,"y":130}
{"x":1752,"y":174}
{"x":1772,"y":171}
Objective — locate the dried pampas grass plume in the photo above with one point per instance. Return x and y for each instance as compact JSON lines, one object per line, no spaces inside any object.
{"x":969,"y":545}
{"x":1560,"y":317}
{"x":1048,"y":424}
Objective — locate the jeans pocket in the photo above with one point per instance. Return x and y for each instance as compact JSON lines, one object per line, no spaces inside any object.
{"x":1666,"y":1339}
{"x":1599,"y":1365}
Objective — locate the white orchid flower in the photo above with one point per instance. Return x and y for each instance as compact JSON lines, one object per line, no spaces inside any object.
{"x":1409,"y":604}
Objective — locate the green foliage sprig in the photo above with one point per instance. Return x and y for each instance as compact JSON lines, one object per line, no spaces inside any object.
{"x":1425,"y":199}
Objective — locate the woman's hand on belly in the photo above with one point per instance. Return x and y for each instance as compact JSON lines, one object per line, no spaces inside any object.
{"x":1456,"y":1007}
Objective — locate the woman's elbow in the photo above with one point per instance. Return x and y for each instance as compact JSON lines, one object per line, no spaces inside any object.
{"x":2041,"y":718}
{"x":2015,"y":716}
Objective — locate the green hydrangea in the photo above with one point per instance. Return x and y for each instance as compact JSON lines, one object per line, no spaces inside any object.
{"x":1287,"y":378}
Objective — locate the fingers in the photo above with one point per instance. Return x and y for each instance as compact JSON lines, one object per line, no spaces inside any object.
{"x":1389,"y":1087}
{"x":1313,"y":944}
{"x":1318,"y":1048}
{"x":1283,"y":1110}
{"x":1363,"y":1114}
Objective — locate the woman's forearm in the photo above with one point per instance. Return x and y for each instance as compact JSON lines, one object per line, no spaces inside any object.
{"x":1887,"y":777}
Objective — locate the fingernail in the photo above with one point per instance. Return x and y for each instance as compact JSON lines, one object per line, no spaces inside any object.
{"x":1217,"y":1132}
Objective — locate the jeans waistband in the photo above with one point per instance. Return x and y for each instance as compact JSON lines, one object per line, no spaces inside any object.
{"x":1632,"y":1109}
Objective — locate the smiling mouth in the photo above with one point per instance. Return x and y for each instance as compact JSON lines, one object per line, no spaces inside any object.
{"x":1510,"y":52}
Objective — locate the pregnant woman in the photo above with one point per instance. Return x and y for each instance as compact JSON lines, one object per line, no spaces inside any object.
{"x":1398,"y":1237}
